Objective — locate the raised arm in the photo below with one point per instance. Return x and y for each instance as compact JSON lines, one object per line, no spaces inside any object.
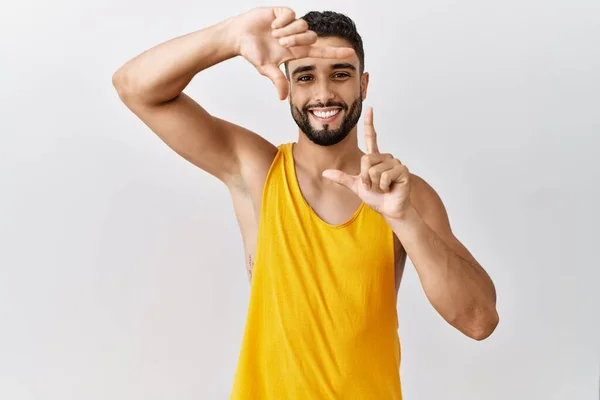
{"x":151,"y":85}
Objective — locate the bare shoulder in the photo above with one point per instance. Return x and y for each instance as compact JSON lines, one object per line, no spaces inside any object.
{"x":428,"y":203}
{"x":253,"y":157}
{"x":423,"y":196}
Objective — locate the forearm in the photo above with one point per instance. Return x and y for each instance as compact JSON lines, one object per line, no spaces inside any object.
{"x":459,"y":289}
{"x":162,"y":72}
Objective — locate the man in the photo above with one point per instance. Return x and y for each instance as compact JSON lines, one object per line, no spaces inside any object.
{"x":326,"y":227}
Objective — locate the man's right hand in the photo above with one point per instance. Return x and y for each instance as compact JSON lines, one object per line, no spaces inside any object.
{"x":271,"y":36}
{"x":152,"y":86}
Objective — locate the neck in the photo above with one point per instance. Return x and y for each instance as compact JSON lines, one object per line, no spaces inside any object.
{"x":344,"y":156}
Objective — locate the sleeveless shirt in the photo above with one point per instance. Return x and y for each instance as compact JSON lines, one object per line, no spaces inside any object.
{"x":322,"y":321}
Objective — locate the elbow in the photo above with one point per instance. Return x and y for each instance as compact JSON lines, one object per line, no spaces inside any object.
{"x":133,"y":91}
{"x":120,"y":83}
{"x":126,"y":81}
{"x":482,"y":326}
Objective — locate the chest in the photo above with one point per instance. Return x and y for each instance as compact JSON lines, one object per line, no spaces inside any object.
{"x":330,"y":202}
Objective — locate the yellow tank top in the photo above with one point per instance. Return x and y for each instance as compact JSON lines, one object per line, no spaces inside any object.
{"x":322,"y":321}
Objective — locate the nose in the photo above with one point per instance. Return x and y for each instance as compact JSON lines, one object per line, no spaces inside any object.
{"x":323,"y":92}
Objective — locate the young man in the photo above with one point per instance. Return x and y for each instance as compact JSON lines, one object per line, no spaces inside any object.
{"x":326,"y":227}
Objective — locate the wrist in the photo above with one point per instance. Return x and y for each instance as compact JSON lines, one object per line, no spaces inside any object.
{"x":228,"y":31}
{"x":406,"y":215}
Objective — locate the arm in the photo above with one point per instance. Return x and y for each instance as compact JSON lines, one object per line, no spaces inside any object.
{"x":151,"y":86}
{"x":454,"y":282}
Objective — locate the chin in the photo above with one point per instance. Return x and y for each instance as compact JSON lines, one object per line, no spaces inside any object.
{"x":327,"y":139}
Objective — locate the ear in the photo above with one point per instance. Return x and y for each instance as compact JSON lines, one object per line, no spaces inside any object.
{"x":364,"y":84}
{"x":287,"y":75}
{"x":287,"y":70}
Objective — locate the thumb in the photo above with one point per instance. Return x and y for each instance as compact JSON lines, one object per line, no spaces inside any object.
{"x":340,"y":177}
{"x":272,"y":72}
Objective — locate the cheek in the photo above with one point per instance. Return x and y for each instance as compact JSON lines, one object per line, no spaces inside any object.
{"x":297,"y":100}
{"x":351,"y":90}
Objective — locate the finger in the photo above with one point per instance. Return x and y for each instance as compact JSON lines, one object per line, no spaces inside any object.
{"x":369,"y":160}
{"x":376,"y":171}
{"x":283,"y":16}
{"x":325,"y":52}
{"x":278,"y":78}
{"x":388,"y":177}
{"x":294,"y":27}
{"x":370,"y":134}
{"x":300,"y":39}
{"x":341,"y":178}
{"x":365,"y":166}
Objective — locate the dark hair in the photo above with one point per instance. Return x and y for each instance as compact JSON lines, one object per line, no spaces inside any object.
{"x":334,"y":24}
{"x":330,"y":23}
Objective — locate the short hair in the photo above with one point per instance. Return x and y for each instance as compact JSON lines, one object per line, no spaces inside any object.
{"x":335,"y":24}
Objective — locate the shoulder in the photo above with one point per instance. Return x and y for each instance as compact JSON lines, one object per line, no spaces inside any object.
{"x":428,"y":203}
{"x":255,"y":162}
{"x":422,"y":195}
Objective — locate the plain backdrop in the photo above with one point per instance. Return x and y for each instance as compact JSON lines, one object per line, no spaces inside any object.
{"x":121,"y":265}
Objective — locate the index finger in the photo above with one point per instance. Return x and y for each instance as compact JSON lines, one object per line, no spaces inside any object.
{"x":328,"y":52}
{"x":370,"y":135}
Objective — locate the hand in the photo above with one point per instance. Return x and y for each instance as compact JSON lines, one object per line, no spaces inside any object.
{"x":383,"y":183}
{"x":270,"y":37}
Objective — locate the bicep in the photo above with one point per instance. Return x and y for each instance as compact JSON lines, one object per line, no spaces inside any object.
{"x":214,"y":145}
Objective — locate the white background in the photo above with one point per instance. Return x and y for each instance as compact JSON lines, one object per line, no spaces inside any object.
{"x":121,"y":265}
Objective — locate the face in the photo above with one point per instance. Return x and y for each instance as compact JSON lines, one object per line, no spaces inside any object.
{"x":326,"y":95}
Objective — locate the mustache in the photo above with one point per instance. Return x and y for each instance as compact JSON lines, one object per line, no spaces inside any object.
{"x":341,"y":105}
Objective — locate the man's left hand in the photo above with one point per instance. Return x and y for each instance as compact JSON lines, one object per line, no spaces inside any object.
{"x":383,"y":183}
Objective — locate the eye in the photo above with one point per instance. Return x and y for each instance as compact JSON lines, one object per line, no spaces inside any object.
{"x":341,"y":75}
{"x":304,"y":78}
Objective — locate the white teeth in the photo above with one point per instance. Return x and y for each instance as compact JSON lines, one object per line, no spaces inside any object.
{"x":326,"y":114}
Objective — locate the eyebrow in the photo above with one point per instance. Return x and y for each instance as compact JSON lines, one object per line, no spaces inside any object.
{"x":306,"y":68}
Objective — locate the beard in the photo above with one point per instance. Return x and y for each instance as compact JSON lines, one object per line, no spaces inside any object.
{"x":327,"y":136}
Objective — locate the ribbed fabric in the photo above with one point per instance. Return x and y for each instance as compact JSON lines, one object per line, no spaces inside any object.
{"x":322,"y":321}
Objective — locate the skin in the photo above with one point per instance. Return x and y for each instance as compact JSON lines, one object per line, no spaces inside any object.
{"x":333,"y":178}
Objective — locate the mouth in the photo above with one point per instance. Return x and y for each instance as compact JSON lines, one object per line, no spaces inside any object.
{"x":325,"y":115}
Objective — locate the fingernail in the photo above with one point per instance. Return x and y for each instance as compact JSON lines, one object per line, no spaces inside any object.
{"x":283,"y":42}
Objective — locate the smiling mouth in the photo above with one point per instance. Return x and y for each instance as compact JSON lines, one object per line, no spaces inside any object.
{"x":327,"y":115}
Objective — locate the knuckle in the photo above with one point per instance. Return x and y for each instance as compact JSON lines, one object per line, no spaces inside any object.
{"x":373,"y":173}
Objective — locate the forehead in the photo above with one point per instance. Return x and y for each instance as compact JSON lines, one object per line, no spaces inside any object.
{"x":326,"y":62}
